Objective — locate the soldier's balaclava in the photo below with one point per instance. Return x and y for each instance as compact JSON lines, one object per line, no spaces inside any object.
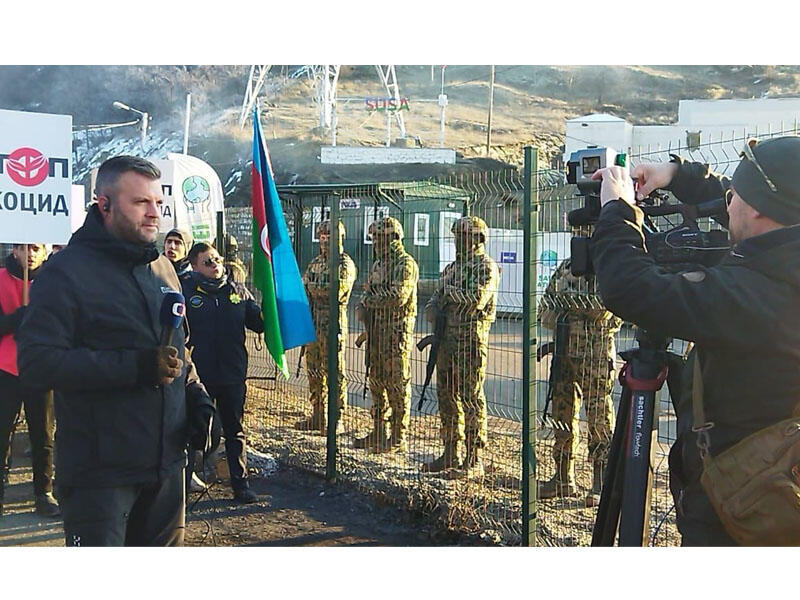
{"x":386,"y":234}
{"x":324,"y":227}
{"x":469,"y":236}
{"x":231,"y":247}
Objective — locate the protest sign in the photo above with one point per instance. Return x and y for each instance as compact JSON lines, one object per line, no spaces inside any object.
{"x":35,"y":177}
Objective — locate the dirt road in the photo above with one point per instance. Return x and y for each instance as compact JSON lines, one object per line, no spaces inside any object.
{"x":295,"y":509}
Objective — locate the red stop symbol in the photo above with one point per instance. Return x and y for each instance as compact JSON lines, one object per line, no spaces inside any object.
{"x":27,"y":166}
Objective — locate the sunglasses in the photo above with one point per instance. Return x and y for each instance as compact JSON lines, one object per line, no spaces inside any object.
{"x":747,"y":153}
{"x":728,"y":196}
{"x":214,"y":260}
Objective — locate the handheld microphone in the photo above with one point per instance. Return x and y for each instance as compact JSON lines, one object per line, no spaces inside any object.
{"x":173,"y":308}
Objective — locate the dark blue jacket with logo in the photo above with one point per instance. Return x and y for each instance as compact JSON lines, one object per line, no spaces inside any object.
{"x":217,"y":319}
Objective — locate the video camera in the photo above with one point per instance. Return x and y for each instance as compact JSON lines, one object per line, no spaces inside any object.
{"x":684,"y":244}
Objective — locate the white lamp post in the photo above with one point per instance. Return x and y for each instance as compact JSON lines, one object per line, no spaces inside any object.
{"x":145,"y":118}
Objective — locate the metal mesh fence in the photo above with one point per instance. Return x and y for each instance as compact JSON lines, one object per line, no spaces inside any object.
{"x":488,"y":360}
{"x":568,"y":520}
{"x":580,"y":416}
{"x":489,"y":505}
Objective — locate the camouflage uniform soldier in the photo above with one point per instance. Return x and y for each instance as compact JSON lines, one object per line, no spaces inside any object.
{"x":237,"y":270}
{"x":317,"y":282}
{"x":585,"y":374}
{"x":467,"y":294}
{"x":389,"y":309}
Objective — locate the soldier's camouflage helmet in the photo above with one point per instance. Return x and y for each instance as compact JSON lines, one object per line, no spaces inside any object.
{"x":231,"y":245}
{"x":470,"y":226}
{"x":325,"y":227}
{"x":386,"y":226}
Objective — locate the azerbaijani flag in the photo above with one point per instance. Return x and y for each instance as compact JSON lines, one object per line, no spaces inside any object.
{"x":287,"y":315}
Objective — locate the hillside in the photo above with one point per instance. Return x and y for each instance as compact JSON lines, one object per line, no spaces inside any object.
{"x":531,"y":104}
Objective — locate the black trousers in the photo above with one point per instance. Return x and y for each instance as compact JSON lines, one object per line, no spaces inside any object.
{"x":41,"y":428}
{"x":229,"y":400}
{"x":134,"y":515}
{"x":696,"y":518}
{"x":698,"y":521}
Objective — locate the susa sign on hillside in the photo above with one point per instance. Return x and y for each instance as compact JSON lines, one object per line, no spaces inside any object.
{"x":386,"y":104}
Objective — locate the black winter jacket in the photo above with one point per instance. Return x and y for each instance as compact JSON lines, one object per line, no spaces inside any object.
{"x":217,"y":318}
{"x":91,"y":332}
{"x":743,"y":315}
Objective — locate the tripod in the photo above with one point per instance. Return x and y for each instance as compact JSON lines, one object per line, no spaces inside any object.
{"x":627,"y":482}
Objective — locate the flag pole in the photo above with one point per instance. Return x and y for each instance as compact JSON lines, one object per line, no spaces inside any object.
{"x":333,"y":339}
{"x":25,"y":277}
{"x":186,"y":129}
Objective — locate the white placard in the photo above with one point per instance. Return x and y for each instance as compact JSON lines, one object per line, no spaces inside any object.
{"x":168,"y":207}
{"x":197,"y":196}
{"x":77,"y":211}
{"x":35,"y":177}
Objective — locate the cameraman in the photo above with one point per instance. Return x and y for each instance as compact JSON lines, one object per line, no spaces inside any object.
{"x":742,"y":314}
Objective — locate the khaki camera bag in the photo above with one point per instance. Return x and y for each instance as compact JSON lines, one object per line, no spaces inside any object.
{"x":753,"y":486}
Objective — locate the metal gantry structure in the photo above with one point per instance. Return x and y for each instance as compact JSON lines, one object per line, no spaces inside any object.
{"x":255,"y":82}
{"x":326,"y":79}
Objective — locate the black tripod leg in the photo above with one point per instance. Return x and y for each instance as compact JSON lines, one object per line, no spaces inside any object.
{"x":605,"y":525}
{"x":634,"y":522}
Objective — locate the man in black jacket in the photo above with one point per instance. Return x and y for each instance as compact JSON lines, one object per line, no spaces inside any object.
{"x":38,"y":403}
{"x":92,"y":333}
{"x":218,"y":310}
{"x":742,"y":314}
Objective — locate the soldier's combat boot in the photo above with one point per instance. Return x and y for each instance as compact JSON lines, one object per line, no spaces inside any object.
{"x":315,"y":422}
{"x":47,"y":505}
{"x":450,"y":459}
{"x":376,"y":440}
{"x":593,"y":497}
{"x":473,"y":463}
{"x":398,"y":444}
{"x":562,"y":485}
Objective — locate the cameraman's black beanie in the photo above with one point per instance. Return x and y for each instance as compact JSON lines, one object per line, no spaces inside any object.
{"x":780,"y":159}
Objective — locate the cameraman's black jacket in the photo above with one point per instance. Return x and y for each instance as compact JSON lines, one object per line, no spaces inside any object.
{"x":91,"y":332}
{"x":743,"y":314}
{"x":218,"y":313}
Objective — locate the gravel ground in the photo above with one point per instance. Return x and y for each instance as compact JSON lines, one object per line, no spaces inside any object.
{"x":294,"y":509}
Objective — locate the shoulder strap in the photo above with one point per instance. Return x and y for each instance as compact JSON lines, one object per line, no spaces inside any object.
{"x":700,"y":426}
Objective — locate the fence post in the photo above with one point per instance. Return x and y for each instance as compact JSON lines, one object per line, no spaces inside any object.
{"x":333,"y":341}
{"x":220,"y":236}
{"x":529,"y":343}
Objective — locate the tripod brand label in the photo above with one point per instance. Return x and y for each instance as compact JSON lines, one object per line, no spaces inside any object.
{"x":637,"y":438}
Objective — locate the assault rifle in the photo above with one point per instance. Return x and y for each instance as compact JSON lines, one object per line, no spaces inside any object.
{"x":364,"y":336}
{"x":433,"y":340}
{"x":300,"y":362}
{"x":558,"y":348}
